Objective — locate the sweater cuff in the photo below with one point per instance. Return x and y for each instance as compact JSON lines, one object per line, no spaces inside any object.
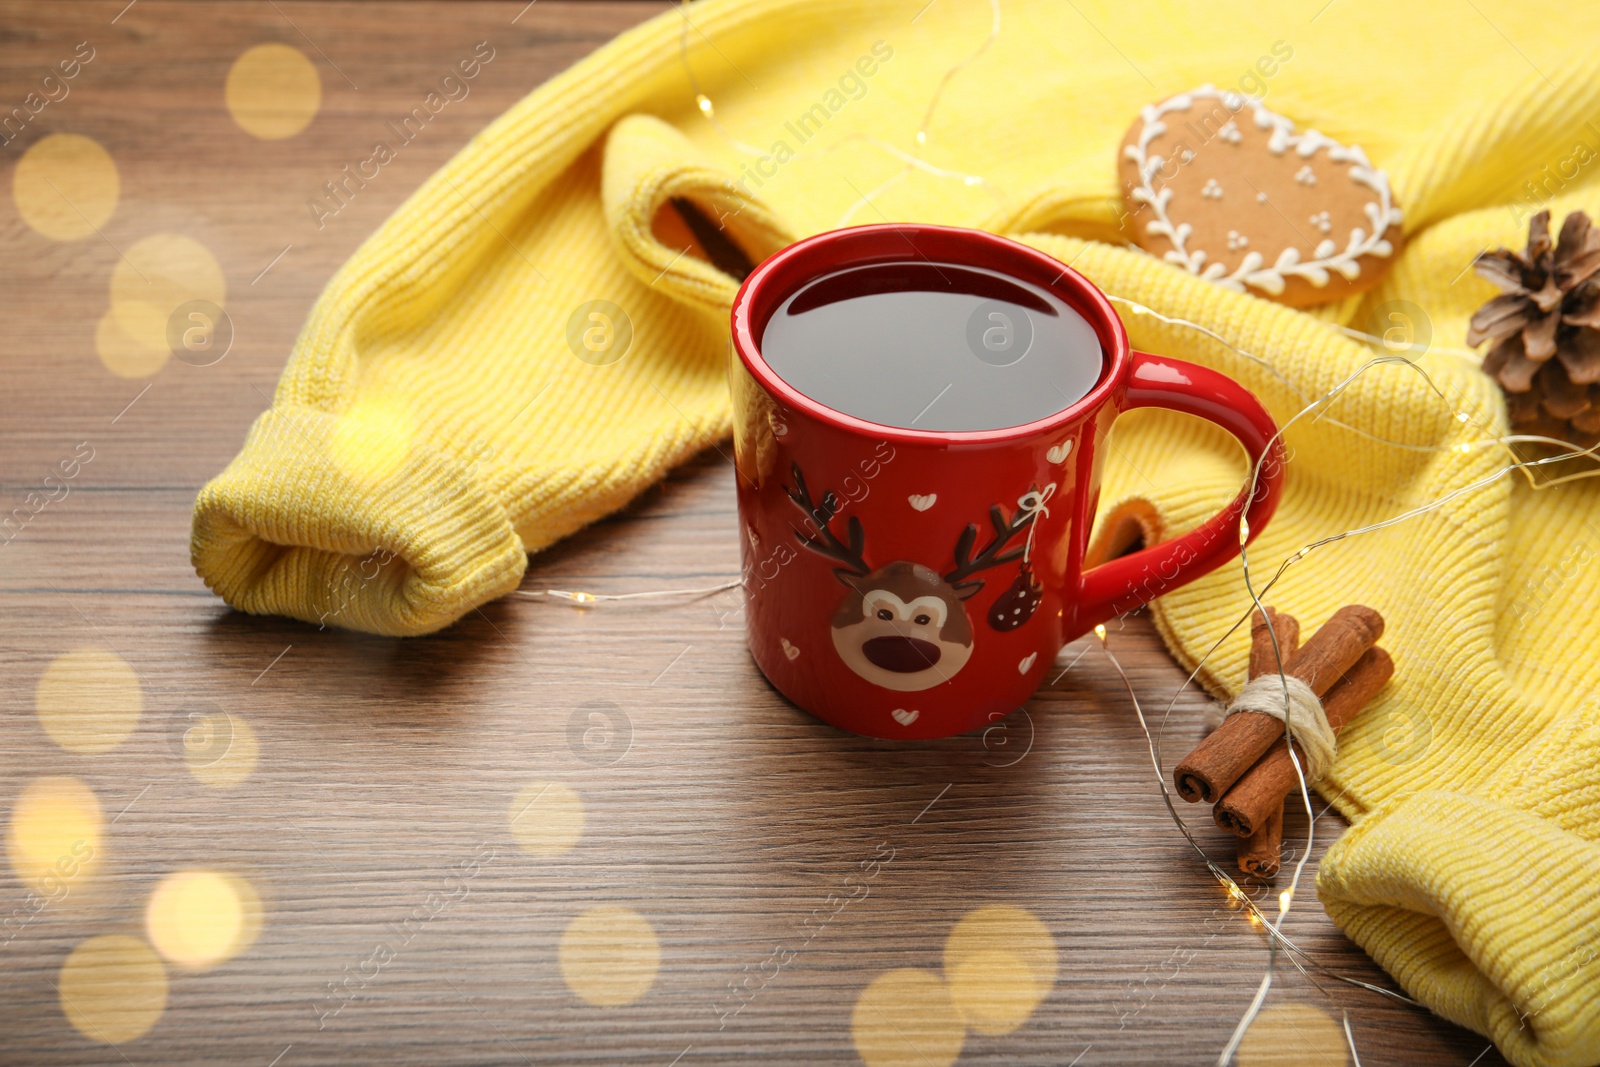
{"x":347,"y":521}
{"x":1488,"y":914}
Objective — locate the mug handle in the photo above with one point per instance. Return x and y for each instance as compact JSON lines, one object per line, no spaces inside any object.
{"x":1122,"y":584}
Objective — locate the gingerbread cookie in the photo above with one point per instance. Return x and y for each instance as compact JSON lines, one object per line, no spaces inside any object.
{"x":1219,"y":185}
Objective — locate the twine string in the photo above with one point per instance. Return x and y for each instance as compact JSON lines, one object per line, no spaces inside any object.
{"x":1033,"y":503}
{"x":1293,"y":703}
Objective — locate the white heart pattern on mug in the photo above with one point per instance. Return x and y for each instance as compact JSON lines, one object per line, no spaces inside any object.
{"x":1027,"y":662}
{"x":923,"y":501}
{"x":904,"y":717}
{"x":1060,"y":452}
{"x":788,"y":649}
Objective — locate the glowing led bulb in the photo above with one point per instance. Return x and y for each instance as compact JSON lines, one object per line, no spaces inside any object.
{"x":1284,"y":898}
{"x":1244,"y":530}
{"x":1462,"y":416}
{"x":922,"y":136}
{"x":1100,"y":632}
{"x":703,"y":102}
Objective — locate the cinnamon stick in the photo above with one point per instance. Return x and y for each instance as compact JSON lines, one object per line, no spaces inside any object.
{"x":1264,"y":658}
{"x":1249,"y":803}
{"x":1232,"y":748}
{"x":1197,"y":777}
{"x":1262,"y":852}
{"x":1335,"y":647}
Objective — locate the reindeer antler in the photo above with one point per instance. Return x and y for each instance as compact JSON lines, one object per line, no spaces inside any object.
{"x":826,"y":543}
{"x":1004,"y":530}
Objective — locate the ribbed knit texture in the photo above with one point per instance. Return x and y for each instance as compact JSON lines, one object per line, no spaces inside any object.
{"x":433,"y":425}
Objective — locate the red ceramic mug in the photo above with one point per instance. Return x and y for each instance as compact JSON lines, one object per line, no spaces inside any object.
{"x":907,"y":583}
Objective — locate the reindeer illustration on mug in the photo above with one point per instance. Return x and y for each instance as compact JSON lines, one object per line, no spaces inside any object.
{"x":904,"y":625}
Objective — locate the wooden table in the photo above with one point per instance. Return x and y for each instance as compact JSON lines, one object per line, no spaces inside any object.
{"x":365,"y":790}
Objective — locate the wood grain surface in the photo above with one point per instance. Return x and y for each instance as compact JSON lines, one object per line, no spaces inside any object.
{"x":386,"y":773}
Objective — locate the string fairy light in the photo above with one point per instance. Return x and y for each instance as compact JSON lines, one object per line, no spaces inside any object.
{"x":1466,"y":353}
{"x":1139,"y":309}
{"x":1316,"y":409}
{"x":1567,"y":450}
{"x":912,"y":163}
{"x":1286,"y":896}
{"x":702,"y":102}
{"x":1272,"y":927}
{"x":1350,"y":1039}
{"x":912,"y":159}
{"x":1297,"y":956}
{"x":1277,"y":941}
{"x":583,"y":598}
{"x":921,"y":137}
{"x":1236,"y":894}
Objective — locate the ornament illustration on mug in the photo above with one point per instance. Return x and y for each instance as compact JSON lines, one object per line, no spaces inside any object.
{"x":904,"y":626}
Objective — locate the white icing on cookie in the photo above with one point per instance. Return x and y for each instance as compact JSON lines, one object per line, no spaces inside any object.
{"x":1253,"y":270}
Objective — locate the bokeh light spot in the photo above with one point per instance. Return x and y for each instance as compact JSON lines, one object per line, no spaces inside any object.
{"x":220,"y":749}
{"x":88,"y":700}
{"x":372,"y":441}
{"x":546,"y":818}
{"x":1000,"y":962}
{"x":121,"y":354}
{"x":273,"y":91}
{"x":609,"y":956}
{"x":905,"y":1019}
{"x":994,"y":990}
{"x":1293,"y":1035}
{"x":199,"y":918}
{"x":155,"y":277}
{"x":65,"y":186}
{"x":113,"y":988}
{"x":55,"y":835}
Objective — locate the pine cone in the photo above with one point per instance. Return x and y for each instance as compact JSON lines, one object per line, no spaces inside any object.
{"x":1549,"y":306}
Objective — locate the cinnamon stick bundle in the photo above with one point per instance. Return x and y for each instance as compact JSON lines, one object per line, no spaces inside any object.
{"x":1234,"y":747}
{"x":1252,"y":802}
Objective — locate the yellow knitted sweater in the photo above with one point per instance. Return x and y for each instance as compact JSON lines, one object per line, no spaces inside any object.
{"x":445,"y":411}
